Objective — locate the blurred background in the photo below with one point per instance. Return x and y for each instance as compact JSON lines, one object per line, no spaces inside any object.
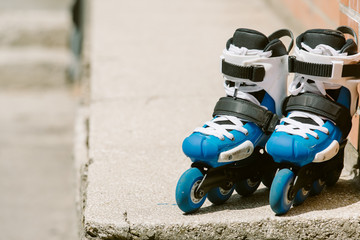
{"x":39,"y":47}
{"x":42,"y":72}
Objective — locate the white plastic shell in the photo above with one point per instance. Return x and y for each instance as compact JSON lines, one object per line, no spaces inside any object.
{"x":237,"y":153}
{"x":276,"y":73}
{"x":337,"y":62}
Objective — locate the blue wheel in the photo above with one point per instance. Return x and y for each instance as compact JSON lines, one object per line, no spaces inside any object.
{"x":317,"y":187}
{"x":219,"y":195}
{"x":300,"y":197}
{"x":279,"y":191}
{"x":186,"y":198}
{"x":247,"y":187}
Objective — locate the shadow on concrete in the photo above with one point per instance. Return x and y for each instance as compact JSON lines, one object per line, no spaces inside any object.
{"x":259,"y":198}
{"x":344,"y":193}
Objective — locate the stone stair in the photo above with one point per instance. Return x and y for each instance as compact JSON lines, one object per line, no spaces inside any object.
{"x":34,"y":47}
{"x":36,"y":165}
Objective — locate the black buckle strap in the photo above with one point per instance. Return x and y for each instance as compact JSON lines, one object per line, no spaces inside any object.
{"x":348,"y":30}
{"x":307,"y":68}
{"x":321,"y":106}
{"x":283,"y":33}
{"x":351,"y":70}
{"x":321,"y":70}
{"x":247,"y":111}
{"x":254,"y":73}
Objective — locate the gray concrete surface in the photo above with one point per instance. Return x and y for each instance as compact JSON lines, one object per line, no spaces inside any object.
{"x":154,"y":78}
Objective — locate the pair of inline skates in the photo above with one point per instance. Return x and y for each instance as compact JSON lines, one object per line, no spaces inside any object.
{"x":247,"y":142}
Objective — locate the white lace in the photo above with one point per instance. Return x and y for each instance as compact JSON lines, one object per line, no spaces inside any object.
{"x":241,"y":90}
{"x":248,"y":52}
{"x":301,"y":85}
{"x":298,"y":128}
{"x":220,"y":131}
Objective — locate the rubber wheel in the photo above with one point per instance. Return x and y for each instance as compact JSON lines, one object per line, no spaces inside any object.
{"x":219,"y":195}
{"x":185,"y":191}
{"x":317,"y":187}
{"x":301,"y":196}
{"x":279,"y":191}
{"x":247,"y":187}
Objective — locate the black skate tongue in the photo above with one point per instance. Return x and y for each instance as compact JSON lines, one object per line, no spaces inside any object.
{"x":305,"y":120}
{"x":251,"y":39}
{"x":314,"y":37}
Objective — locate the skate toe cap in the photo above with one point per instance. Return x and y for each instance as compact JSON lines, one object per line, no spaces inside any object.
{"x":199,"y":146}
{"x":288,"y":148}
{"x":280,"y":147}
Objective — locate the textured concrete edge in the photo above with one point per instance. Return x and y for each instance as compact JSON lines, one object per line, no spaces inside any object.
{"x":88,"y":229}
{"x":94,"y":231}
{"x":82,"y":158}
{"x":267,"y":229}
{"x":351,"y":167}
{"x":81,"y":162}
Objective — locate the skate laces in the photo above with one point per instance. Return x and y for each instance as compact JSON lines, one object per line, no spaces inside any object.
{"x":295,"y":127}
{"x":248,"y":52}
{"x":302,"y":84}
{"x":221,"y":126}
{"x":222,"y":130}
{"x":323,"y":49}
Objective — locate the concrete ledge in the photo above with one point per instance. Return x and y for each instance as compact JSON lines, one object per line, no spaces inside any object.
{"x":351,"y":167}
{"x":130,"y":190}
{"x":81,"y":161}
{"x":264,"y":229}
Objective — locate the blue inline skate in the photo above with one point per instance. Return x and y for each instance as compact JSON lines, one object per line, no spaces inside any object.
{"x":228,"y":151}
{"x":309,"y":142}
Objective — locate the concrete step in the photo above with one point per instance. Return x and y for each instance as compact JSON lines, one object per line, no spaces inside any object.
{"x":33,"y":66}
{"x":35,"y":4}
{"x":154,"y":77}
{"x":127,"y":187}
{"x":46,"y":28}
